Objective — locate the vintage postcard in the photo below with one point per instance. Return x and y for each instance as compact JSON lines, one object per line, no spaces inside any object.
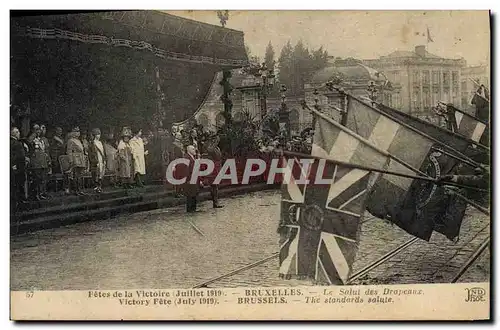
{"x":250,"y":165}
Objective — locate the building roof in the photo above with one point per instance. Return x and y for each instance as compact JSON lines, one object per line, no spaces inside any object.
{"x":105,"y":58}
{"x":348,"y":73}
{"x":149,"y":29}
{"x":404,"y":53}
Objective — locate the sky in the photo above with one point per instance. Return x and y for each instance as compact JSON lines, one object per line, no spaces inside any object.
{"x":362,"y":34}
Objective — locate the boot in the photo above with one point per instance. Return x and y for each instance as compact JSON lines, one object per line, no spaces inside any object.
{"x":216,"y":205}
{"x":215,"y":197}
{"x":138,"y":181}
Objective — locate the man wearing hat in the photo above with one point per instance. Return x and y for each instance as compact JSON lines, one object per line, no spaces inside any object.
{"x":78,"y":159}
{"x":18,"y":161}
{"x":214,"y":153}
{"x":97,"y":159}
{"x":124,"y":158}
{"x":191,"y":190}
{"x":39,"y":164}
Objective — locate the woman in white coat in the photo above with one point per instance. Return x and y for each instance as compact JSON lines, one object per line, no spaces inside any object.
{"x":137,"y":147}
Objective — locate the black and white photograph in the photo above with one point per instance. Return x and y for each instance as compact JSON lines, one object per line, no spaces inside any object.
{"x":193,"y":152}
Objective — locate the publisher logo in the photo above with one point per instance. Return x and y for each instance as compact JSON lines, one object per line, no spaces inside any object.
{"x":475,"y":294}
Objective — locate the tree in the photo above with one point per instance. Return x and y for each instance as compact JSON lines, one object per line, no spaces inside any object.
{"x":254,"y":60}
{"x":269,"y":57}
{"x":297,"y":66}
{"x":285,"y":65}
{"x":301,"y":67}
{"x":319,"y":59}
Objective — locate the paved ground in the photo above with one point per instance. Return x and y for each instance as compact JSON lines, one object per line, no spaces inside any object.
{"x":160,"y":249}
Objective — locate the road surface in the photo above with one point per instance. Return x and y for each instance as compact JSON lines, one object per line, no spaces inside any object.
{"x":162,"y":249}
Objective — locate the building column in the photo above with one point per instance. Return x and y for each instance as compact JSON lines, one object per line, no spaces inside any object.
{"x":450,"y":74}
{"x":459,"y":91}
{"x":441,"y":86}
{"x":421,"y":85}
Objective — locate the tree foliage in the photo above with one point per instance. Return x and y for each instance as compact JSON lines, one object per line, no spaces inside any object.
{"x":297,"y":65}
{"x":269,"y":57}
{"x":254,"y":60}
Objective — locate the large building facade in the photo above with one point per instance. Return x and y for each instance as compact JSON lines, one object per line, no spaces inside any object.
{"x":421,"y":79}
{"x":418,"y":81}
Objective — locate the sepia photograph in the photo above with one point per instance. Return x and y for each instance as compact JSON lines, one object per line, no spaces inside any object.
{"x":255,"y":165}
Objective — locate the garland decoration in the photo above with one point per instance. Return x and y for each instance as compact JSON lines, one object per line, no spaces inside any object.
{"x":37,"y":33}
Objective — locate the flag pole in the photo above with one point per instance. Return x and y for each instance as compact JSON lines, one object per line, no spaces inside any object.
{"x":378,"y":170}
{"x":454,"y":156}
{"x":412,"y":128}
{"x":419,"y":132}
{"x":360,"y":167}
{"x":365,"y":141}
{"x":479,"y":85}
{"x":466,"y":113}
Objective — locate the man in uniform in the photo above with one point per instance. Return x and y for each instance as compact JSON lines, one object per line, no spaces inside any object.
{"x":214,"y":153}
{"x":76,"y":151}
{"x":56,"y":149}
{"x":480,"y":179}
{"x":18,"y":161}
{"x":40,"y":162}
{"x":191,"y":190}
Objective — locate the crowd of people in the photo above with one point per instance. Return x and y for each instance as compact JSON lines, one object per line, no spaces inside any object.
{"x":122,"y":159}
{"x":35,"y":157}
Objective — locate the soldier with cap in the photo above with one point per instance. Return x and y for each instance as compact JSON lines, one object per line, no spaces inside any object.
{"x":214,"y":153}
{"x":480,"y":178}
{"x":56,"y":149}
{"x":78,"y":159}
{"x":191,"y":190}
{"x":97,"y":159}
{"x":18,"y":161}
{"x":40,"y":162}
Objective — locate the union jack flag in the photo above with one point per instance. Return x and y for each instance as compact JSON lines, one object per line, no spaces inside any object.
{"x":322,"y":218}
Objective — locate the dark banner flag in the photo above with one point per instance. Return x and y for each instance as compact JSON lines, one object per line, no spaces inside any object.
{"x":449,"y":209}
{"x":403,"y":201}
{"x":322,"y":220}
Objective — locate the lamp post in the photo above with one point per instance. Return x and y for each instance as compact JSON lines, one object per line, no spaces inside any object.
{"x":316,"y":106}
{"x":284,"y":114}
{"x":267,"y":76}
{"x":372,"y":90}
{"x":316,"y":99}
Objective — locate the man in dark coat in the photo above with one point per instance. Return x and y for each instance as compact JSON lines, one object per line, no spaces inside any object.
{"x":78,"y":158}
{"x":57,"y":146}
{"x":191,"y":190}
{"x":18,"y":161}
{"x":40,"y":163}
{"x":481,"y":101}
{"x":214,"y":153}
{"x":479,"y":179}
{"x":97,"y":159}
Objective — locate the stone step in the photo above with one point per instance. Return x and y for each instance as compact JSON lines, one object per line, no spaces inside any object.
{"x":133,"y":197}
{"x":160,"y":201}
{"x":60,"y":198}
